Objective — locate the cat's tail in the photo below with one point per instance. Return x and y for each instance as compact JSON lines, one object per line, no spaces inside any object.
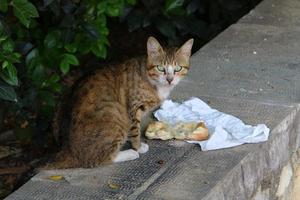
{"x":56,"y":123}
{"x":63,"y":160}
{"x":61,"y":119}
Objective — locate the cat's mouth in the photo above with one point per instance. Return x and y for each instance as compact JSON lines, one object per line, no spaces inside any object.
{"x":169,"y":84}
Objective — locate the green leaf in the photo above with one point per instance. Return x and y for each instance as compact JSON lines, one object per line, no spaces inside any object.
{"x":84,"y":44}
{"x":72,"y":48}
{"x":8,"y":46}
{"x":99,"y":50}
{"x":37,"y":73}
{"x":172,"y":4}
{"x":101,"y":20}
{"x":179,"y":11}
{"x":114,"y":8}
{"x":35,"y":69}
{"x":12,"y":57}
{"x":105,"y":41}
{"x":34,"y":53}
{"x":24,"y":11}
{"x":8,"y":93}
{"x":101,"y":7}
{"x":92,"y":31}
{"x":113,"y":11}
{"x":3,"y":5}
{"x":71,"y":59}
{"x":5,"y":64}
{"x":9,"y":73}
{"x":52,"y":83}
{"x":3,"y":36}
{"x":54,"y":78}
{"x":104,"y":31}
{"x":64,"y":66}
{"x":52,"y":39}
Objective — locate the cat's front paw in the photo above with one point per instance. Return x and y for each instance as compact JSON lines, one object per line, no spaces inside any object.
{"x":126,"y":155}
{"x":144,"y":148}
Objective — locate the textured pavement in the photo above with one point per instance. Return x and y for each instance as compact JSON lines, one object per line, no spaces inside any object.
{"x":252,"y":71}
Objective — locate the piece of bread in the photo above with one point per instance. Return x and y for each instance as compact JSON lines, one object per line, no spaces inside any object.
{"x":200,"y":133}
{"x":180,"y":131}
{"x":158,"y":130}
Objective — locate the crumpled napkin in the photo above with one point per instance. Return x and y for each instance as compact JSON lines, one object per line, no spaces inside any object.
{"x":225,"y":130}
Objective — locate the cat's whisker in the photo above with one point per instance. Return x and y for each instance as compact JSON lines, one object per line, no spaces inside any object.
{"x":186,"y":80}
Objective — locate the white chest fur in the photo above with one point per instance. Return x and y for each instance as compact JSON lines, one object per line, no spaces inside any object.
{"x":164,"y":92}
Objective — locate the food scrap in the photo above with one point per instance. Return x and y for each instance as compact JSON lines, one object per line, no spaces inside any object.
{"x":113,"y":185}
{"x":180,"y":131}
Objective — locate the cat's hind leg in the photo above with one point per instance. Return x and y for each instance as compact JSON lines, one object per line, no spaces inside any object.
{"x":98,"y":140}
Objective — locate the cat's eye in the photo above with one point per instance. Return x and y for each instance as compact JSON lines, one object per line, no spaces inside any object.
{"x":178,"y":69}
{"x":160,"y":68}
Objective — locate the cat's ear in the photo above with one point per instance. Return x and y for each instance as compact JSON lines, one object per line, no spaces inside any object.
{"x":186,"y":48}
{"x":184,"y":52}
{"x":154,"y":49}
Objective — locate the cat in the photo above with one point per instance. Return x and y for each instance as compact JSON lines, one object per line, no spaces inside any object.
{"x":108,"y":106}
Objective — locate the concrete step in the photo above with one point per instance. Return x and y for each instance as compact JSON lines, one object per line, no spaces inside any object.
{"x":251,"y":71}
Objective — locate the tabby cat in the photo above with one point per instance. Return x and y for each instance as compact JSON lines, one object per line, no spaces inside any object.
{"x":108,"y":106}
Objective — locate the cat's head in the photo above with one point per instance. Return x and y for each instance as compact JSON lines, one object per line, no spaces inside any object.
{"x":166,"y":67}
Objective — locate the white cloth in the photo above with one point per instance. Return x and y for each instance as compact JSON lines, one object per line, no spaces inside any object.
{"x":225,"y":130}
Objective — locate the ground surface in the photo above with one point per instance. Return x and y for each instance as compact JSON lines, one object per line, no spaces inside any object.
{"x":252,"y":71}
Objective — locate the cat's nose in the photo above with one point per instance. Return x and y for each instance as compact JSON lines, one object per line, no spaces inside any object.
{"x":169,"y":79}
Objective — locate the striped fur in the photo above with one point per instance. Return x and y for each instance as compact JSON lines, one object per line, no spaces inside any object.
{"x":109,"y":105}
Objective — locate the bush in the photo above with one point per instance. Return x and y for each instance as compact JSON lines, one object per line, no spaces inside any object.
{"x":40,"y":41}
{"x":176,"y":19}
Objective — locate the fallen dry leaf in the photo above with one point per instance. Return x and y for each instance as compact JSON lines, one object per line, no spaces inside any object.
{"x":113,"y":185}
{"x":56,"y":177}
